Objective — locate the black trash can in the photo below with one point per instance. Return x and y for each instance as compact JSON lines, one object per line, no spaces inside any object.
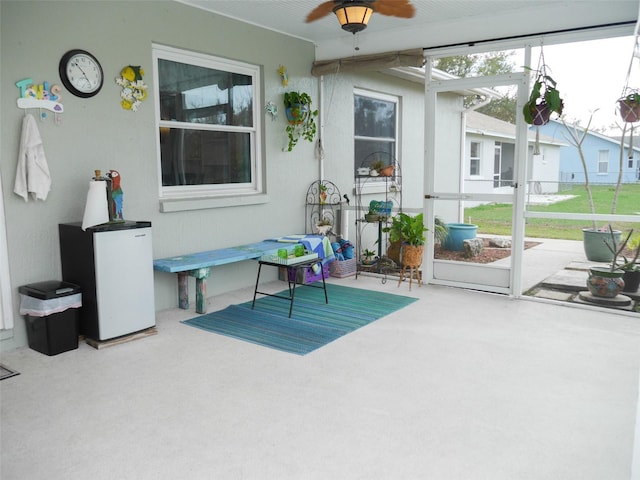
{"x":51,"y":311}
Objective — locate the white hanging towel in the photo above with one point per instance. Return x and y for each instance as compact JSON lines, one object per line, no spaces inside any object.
{"x":32,"y":175}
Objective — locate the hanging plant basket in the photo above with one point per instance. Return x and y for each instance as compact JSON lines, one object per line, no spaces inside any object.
{"x":544,"y":98}
{"x":297,"y":114}
{"x":629,"y":108}
{"x":301,"y":118}
{"x":542,"y":114}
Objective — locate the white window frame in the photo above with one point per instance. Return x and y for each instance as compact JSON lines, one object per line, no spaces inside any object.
{"x":376,"y":185}
{"x":477,"y":159}
{"x":195,"y":192}
{"x":603,"y":161}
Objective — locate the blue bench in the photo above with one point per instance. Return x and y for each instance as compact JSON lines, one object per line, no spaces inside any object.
{"x":199,"y":265}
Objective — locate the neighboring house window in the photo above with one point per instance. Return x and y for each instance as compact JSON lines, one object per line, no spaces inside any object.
{"x":474,"y":158}
{"x":603,"y":162}
{"x":375,"y":125}
{"x":497,"y":164}
{"x":208,"y":124}
{"x":630,"y":160}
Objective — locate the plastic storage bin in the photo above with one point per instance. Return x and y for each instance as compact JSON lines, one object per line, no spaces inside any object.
{"x":306,"y":275}
{"x":51,"y":311}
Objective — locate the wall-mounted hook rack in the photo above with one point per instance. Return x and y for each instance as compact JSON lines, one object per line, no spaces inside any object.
{"x":40,"y":96}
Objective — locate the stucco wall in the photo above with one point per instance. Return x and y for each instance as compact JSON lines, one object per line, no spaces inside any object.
{"x":338,"y":91}
{"x":98,"y":133}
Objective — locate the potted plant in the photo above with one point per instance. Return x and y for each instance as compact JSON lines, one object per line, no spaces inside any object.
{"x":593,"y":237}
{"x":543,"y":100}
{"x":395,"y":230}
{"x":300,"y":117}
{"x":375,"y":168}
{"x":372,"y":216}
{"x":368,"y":257}
{"x":410,"y":232}
{"x":629,"y":106}
{"x":631,"y":268}
{"x":386,"y":171}
{"x":441,"y":231}
{"x":608,"y":281}
{"x":379,"y":210}
{"x":322,"y":192}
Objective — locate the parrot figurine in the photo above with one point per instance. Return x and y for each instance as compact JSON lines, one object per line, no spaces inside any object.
{"x":115,"y":202}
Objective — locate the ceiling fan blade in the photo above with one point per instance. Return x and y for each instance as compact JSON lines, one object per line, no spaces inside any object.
{"x":394,"y":8}
{"x":320,"y":11}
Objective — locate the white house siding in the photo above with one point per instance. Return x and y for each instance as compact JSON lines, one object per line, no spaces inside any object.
{"x":96,"y":133}
{"x":544,"y":170}
{"x":449,"y":164}
{"x":338,"y":91}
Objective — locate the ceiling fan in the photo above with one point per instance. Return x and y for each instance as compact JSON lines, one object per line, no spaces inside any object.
{"x":354,"y":15}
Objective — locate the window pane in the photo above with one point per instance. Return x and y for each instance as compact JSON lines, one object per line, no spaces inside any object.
{"x":197,"y":157}
{"x":363,"y":148}
{"x":196,"y":94}
{"x":474,"y":149}
{"x":474,"y":167}
{"x":374,"y":117}
{"x":603,"y":161}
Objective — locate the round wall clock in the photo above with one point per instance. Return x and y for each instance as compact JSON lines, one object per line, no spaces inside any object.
{"x":81,"y":73}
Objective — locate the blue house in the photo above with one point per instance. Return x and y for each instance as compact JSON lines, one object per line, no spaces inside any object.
{"x":601,"y":153}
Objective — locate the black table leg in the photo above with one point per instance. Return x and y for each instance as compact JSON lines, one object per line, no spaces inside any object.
{"x":324,"y":285}
{"x":293,"y":292}
{"x":253,"y":304}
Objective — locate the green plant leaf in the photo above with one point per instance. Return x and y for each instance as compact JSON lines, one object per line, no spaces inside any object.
{"x":554,"y":102}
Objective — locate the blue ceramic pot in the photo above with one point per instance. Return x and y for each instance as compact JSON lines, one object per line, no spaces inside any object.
{"x":458,"y":232}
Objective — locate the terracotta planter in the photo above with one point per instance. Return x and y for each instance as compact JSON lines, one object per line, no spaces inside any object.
{"x":412,"y":255}
{"x":386,"y":171}
{"x":629,"y":111}
{"x":604,"y":283}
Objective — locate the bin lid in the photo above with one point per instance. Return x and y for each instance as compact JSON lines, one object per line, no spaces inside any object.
{"x":49,"y":289}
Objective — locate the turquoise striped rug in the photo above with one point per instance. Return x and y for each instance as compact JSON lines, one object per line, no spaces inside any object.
{"x":313,"y":322}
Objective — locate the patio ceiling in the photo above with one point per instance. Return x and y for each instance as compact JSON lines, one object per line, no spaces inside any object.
{"x":436,"y":23}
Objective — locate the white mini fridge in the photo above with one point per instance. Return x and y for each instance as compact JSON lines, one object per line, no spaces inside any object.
{"x":113,"y":264}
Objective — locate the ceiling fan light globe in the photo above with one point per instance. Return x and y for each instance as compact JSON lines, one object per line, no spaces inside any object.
{"x":354,"y":16}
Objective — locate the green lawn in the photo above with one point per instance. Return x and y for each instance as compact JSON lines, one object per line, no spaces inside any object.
{"x":496,"y":218}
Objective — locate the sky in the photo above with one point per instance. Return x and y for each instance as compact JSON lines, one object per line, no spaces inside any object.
{"x":591,"y":76}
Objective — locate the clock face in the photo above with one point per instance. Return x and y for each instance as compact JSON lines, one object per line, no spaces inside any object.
{"x":81,"y":73}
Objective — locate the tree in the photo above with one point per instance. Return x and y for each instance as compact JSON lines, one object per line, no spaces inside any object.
{"x":494,"y":63}
{"x":577,"y":135}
